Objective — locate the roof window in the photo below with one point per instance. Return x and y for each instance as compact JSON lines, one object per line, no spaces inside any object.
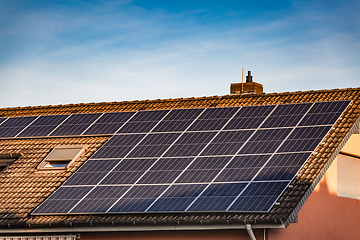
{"x":61,"y":157}
{"x":6,"y":159}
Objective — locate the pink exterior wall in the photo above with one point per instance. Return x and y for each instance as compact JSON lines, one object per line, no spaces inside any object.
{"x":175,"y":235}
{"x":324,"y":215}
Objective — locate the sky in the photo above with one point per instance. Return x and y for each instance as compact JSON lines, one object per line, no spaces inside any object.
{"x":61,"y":52}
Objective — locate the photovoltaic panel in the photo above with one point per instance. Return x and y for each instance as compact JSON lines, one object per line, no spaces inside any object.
{"x":128,"y":171}
{"x":178,"y":120}
{"x":100,"y":199}
{"x":249,"y":117}
{"x":92,"y":172}
{"x":177,"y":198}
{"x":109,"y":123}
{"x":237,"y":159}
{"x":324,"y":113}
{"x":62,"y":200}
{"x":76,"y":124}
{"x":203,"y":170}
{"x":227,"y":143}
{"x":282,"y":166}
{"x":118,"y":146}
{"x":43,"y":126}
{"x":242,"y":168}
{"x":138,"y":198}
{"x":2,"y":120}
{"x":286,"y":115}
{"x":143,"y":121}
{"x":304,"y":139}
{"x":217,"y":197}
{"x":14,"y":125}
{"x":154,"y":145}
{"x":165,"y":170}
{"x":265,"y":141}
{"x":213,"y":119}
{"x":190,"y":144}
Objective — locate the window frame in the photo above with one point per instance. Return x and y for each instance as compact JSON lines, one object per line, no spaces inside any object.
{"x":45,"y":164}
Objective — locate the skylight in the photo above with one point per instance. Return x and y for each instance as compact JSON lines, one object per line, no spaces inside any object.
{"x":61,"y":157}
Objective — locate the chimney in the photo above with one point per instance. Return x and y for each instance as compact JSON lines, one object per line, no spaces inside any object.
{"x":249,"y":87}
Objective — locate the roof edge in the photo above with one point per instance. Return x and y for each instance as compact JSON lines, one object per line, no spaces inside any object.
{"x":139,"y":228}
{"x":294,"y":214}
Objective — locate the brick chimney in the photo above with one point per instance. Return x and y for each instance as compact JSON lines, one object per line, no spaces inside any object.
{"x":249,"y":87}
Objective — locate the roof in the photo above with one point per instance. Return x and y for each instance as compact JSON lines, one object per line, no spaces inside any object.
{"x":22,"y":188}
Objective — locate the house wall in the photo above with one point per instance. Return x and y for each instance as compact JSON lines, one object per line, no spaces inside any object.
{"x":324,"y":214}
{"x":176,"y":235}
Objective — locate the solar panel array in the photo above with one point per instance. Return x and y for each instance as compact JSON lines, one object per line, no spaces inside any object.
{"x":235,"y":159}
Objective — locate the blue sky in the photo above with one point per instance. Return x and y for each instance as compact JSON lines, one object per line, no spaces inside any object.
{"x":59,"y":52}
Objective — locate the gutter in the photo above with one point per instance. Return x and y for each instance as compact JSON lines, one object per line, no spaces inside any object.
{"x":139,"y":228}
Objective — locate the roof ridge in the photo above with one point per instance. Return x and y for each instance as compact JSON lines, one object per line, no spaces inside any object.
{"x":175,"y":99}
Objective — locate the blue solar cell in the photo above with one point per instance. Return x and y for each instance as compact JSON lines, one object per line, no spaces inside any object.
{"x":13,"y":126}
{"x":265,"y":141}
{"x":109,"y":123}
{"x":213,"y":119}
{"x":258,"y":196}
{"x":173,"y":126}
{"x":319,"y":119}
{"x":143,"y":122}
{"x":177,"y":198}
{"x":138,"y":127}
{"x":43,"y":126}
{"x":203,"y":169}
{"x":100,"y":199}
{"x":304,"y":139}
{"x":209,"y":124}
{"x":63,"y":200}
{"x":2,"y":120}
{"x":183,"y":114}
{"x":165,"y":170}
{"x":76,"y":124}
{"x":288,"y":159}
{"x":329,"y":107}
{"x":145,"y":116}
{"x":118,"y":146}
{"x":115,"y":117}
{"x":254,"y":111}
{"x":277,"y":173}
{"x":249,"y":117}
{"x":154,"y":145}
{"x":281,"y":121}
{"x":98,"y":165}
{"x":242,"y":168}
{"x":219,"y":113}
{"x":18,"y":122}
{"x":244,"y":123}
{"x":217,"y":197}
{"x":190,"y":144}
{"x":128,"y":171}
{"x":138,"y":198}
{"x":291,"y":109}
{"x":85,"y":178}
{"x":227,"y":143}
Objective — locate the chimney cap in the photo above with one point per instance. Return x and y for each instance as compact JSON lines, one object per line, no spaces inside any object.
{"x":249,"y":77}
